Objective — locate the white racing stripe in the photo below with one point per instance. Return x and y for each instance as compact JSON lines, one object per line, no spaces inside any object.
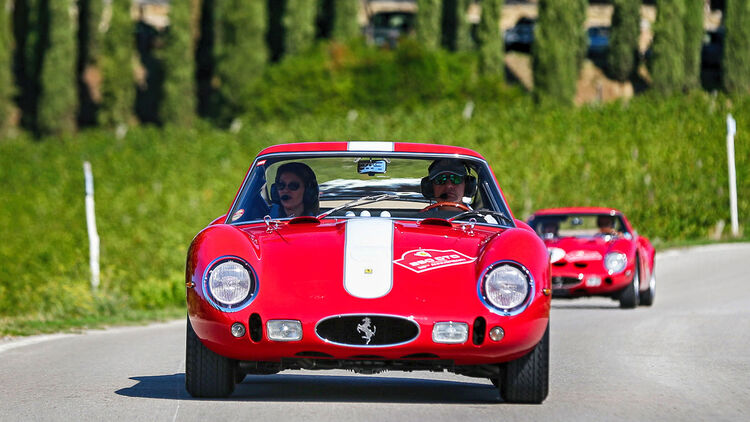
{"x":368,"y":257}
{"x":370,"y":146}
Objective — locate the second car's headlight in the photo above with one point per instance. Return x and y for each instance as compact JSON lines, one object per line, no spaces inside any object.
{"x":615,"y":262}
{"x":506,"y":287}
{"x":230,"y":283}
{"x":556,"y":254}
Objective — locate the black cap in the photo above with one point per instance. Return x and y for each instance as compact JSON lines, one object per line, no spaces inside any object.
{"x":446,"y":165}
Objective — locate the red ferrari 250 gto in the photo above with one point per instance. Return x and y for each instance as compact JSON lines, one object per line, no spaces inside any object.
{"x":368,"y":256}
{"x":596,"y":252}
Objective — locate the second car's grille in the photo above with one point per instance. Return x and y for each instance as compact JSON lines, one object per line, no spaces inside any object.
{"x":367,"y":330}
{"x":562,"y":282}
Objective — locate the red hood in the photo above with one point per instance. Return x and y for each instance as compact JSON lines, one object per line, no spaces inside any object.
{"x":308,"y":261}
{"x":587,"y":248}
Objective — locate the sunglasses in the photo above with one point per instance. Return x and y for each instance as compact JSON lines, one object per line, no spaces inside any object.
{"x":442,"y":179}
{"x":293,"y":186}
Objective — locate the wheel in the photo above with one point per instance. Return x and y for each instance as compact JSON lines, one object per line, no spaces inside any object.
{"x":206,"y":373}
{"x":647,"y":296}
{"x":526,"y":379}
{"x":458,"y":205}
{"x":629,"y":295}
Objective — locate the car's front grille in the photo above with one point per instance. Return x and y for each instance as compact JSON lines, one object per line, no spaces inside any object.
{"x":564,"y":282}
{"x":367,"y":330}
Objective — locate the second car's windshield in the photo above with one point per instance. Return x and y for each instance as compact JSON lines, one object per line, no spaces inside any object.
{"x":400,"y":187}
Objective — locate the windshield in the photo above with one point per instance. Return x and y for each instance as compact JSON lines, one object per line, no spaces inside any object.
{"x":342,"y":186}
{"x":577,"y":225}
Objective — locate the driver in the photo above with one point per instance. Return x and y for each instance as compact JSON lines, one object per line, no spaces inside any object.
{"x":606,"y":224}
{"x":446,"y":183}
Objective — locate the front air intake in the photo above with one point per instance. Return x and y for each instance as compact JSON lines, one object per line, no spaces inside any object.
{"x":367,"y":330}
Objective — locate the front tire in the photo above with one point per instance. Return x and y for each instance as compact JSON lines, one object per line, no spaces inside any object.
{"x":206,"y":373}
{"x":526,"y":379}
{"x":647,"y":297}
{"x":630,"y":295}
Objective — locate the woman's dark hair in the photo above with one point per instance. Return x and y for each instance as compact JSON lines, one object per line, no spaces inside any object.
{"x":304,"y":172}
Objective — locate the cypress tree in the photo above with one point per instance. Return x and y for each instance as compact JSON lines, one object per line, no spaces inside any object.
{"x":559,"y":49}
{"x":299,"y":26}
{"x":622,"y":56}
{"x":345,"y":24}
{"x":428,"y":23}
{"x":6,"y":78}
{"x":736,"y":60}
{"x":693,"y":22}
{"x":89,"y":38}
{"x":27,"y":33}
{"x":58,"y":97}
{"x":490,"y":39}
{"x":178,"y":104}
{"x":456,"y":31}
{"x":241,"y":53}
{"x":667,"y":64}
{"x":117,"y":47}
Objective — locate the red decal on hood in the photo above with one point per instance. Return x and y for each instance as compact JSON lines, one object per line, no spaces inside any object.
{"x":421,"y":260}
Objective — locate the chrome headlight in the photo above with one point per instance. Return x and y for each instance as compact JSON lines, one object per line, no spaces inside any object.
{"x":615,"y":262}
{"x":230,"y":283}
{"x":556,"y":254}
{"x":505,"y":287}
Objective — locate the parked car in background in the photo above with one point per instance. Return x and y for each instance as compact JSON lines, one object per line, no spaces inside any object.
{"x":596,"y":252}
{"x":521,"y":36}
{"x":598,"y":40}
{"x":712,"y":49}
{"x":387,"y":28}
{"x":377,"y":271}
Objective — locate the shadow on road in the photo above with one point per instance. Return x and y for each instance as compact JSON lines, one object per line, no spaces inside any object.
{"x":326,"y":388}
{"x":577,"y":306}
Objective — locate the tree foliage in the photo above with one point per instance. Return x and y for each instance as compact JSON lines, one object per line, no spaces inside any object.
{"x":428,"y":23}
{"x":345,"y":24}
{"x":240,"y":52}
{"x":299,"y":25}
{"x":667,"y":63}
{"x":736,"y":60}
{"x":693,"y":21}
{"x":6,"y":60}
{"x":490,"y":39}
{"x":117,"y":47}
{"x":622,"y":56}
{"x":559,"y":49}
{"x":178,"y":105}
{"x":58,"y":97}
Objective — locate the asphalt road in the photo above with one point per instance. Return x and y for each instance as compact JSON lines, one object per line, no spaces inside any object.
{"x":686,"y":358}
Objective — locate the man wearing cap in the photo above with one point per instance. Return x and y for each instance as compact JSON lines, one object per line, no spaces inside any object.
{"x":446,"y":183}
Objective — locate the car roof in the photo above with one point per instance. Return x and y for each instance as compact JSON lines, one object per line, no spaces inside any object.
{"x":371,"y":147}
{"x":577,"y":210}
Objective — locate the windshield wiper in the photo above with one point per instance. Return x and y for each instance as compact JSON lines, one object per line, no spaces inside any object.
{"x":482,"y":213}
{"x":360,"y":201}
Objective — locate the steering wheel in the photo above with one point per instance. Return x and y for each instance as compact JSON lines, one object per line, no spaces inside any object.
{"x":458,"y":205}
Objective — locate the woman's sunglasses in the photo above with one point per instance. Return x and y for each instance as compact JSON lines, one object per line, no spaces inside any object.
{"x":442,"y":179}
{"x":293,"y":186}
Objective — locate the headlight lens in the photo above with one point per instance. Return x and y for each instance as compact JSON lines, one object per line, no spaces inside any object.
{"x":506,"y":287}
{"x":556,"y":254}
{"x":230,"y":282}
{"x":615,"y":262}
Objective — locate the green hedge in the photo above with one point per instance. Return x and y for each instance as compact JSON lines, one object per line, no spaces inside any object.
{"x":663,"y":162}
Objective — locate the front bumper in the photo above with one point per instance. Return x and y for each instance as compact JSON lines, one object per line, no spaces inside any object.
{"x":522,"y":333}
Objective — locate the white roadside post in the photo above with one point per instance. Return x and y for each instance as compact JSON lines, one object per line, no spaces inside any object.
{"x":91,"y":225}
{"x":731,"y":130}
